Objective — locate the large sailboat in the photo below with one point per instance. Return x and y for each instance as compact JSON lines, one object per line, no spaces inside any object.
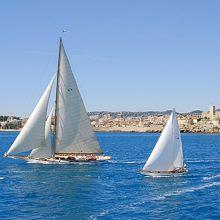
{"x":167,"y":155}
{"x":73,"y":136}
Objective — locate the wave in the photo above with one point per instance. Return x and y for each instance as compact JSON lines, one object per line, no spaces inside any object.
{"x":142,"y":162}
{"x":203,"y":161}
{"x":188,"y":190}
{"x":126,"y":162}
{"x":1,"y":178}
{"x":37,"y":161}
{"x":163,"y":176}
{"x":33,"y":161}
{"x":131,"y":162}
{"x":211,"y":177}
{"x":101,"y":214}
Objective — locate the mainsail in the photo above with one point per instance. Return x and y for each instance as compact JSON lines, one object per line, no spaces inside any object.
{"x":33,"y":133}
{"x":74,"y":133}
{"x":167,"y":155}
{"x":45,"y":151}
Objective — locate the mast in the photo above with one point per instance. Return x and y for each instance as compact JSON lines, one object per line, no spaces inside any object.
{"x":56,"y":102}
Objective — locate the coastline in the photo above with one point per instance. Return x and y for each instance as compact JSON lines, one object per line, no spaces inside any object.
{"x":129,"y":130}
{"x":151,"y":131}
{"x":13,"y":130}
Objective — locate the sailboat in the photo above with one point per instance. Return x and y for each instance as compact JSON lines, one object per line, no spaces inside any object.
{"x":167,"y":155}
{"x":73,"y":136}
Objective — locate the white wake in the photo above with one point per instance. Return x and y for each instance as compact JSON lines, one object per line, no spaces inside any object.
{"x":188,"y":190}
{"x":211,"y":177}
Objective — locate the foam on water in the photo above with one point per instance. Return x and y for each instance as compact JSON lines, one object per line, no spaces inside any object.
{"x":101,"y":214}
{"x":211,"y":177}
{"x":46,"y":162}
{"x":162,"y":176}
{"x":203,"y":161}
{"x":126,"y":162}
{"x":187,"y":190}
{"x":33,"y":161}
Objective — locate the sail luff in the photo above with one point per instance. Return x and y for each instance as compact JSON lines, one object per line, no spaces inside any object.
{"x":33,"y":133}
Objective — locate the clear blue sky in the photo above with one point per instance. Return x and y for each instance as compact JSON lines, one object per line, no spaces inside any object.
{"x":134,"y":55}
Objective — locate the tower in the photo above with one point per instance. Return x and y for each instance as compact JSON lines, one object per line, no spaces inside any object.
{"x":212,"y":110}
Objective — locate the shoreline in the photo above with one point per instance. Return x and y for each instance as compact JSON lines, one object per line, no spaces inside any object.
{"x":127,"y":131}
{"x":150,"y":130}
{"x":5,"y":130}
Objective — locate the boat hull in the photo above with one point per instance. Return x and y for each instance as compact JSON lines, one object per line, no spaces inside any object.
{"x":175,"y":172}
{"x":81,"y":157}
{"x":66,"y":158}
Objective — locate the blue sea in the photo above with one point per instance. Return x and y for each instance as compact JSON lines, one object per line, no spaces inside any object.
{"x":115,"y":189}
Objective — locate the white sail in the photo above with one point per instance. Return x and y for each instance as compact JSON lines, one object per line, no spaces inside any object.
{"x":33,"y":133}
{"x":167,"y":154}
{"x":74,"y":133}
{"x":45,"y":151}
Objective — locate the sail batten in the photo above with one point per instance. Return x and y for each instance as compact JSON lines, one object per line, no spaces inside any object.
{"x":74,"y":133}
{"x":167,"y":154}
{"x":32,"y":135}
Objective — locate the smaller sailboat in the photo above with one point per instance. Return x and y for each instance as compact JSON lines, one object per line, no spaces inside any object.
{"x":167,"y":155}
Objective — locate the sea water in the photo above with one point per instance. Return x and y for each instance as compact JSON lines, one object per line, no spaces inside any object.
{"x":114,"y":189}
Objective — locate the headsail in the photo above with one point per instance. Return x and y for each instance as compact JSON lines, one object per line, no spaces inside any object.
{"x":45,"y":151}
{"x":74,"y":133}
{"x":33,"y":133}
{"x":167,"y":154}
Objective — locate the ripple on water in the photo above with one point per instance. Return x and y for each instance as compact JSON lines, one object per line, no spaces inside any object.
{"x":187,"y":190}
{"x":211,"y":177}
{"x":116,"y":188}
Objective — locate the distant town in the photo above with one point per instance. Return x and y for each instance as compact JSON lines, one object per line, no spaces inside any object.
{"x":152,"y":121}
